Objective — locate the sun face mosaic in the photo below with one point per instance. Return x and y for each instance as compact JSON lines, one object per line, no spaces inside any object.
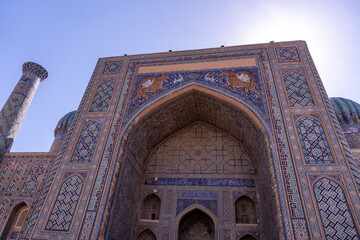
{"x":241,"y":83}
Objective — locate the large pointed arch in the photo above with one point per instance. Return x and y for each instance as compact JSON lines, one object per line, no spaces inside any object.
{"x":168,"y":115}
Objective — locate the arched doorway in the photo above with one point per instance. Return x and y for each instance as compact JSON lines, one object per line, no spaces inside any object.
{"x":164,"y":119}
{"x":16,"y":221}
{"x":146,"y":235}
{"x":247,"y":237}
{"x":196,"y":225}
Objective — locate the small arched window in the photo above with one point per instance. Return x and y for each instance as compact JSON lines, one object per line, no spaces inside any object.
{"x":151,"y":207}
{"x":245,"y":210}
{"x":147,"y":235}
{"x":247,"y":237}
{"x":15,"y":221}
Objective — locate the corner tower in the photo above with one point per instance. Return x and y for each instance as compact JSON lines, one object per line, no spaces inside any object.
{"x":15,"y":108}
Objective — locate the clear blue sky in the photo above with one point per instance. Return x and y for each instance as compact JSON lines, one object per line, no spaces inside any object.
{"x":67,"y":38}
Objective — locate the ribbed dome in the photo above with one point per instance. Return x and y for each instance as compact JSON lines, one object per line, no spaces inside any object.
{"x":347,"y":111}
{"x":64,"y":123}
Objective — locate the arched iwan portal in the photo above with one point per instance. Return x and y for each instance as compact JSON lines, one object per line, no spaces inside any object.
{"x":137,"y":176}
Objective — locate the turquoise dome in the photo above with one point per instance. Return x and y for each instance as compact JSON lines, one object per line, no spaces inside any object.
{"x":64,"y":123}
{"x":347,"y":111}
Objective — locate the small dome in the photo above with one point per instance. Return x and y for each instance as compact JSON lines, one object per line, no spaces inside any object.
{"x":64,"y":123}
{"x":347,"y":111}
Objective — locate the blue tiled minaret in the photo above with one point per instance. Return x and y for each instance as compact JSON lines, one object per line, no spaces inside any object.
{"x":15,"y":108}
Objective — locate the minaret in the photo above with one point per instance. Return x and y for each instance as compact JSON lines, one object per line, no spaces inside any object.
{"x":15,"y":108}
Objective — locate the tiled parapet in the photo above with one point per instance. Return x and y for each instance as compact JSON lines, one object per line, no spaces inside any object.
{"x":15,"y":108}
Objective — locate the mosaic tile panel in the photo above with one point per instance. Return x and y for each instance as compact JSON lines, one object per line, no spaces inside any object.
{"x":226,"y":204}
{"x":86,"y":143}
{"x":4,"y":208}
{"x":286,"y":175}
{"x":315,"y":146}
{"x":166,"y":233}
{"x":64,"y":208}
{"x":355,"y":171}
{"x":300,"y":229}
{"x":200,"y":148}
{"x":287,"y":54}
{"x":168,"y":202}
{"x":102,"y":97}
{"x":16,"y":178}
{"x":210,"y":182}
{"x":195,"y":194}
{"x":239,"y":82}
{"x":181,"y":204}
{"x":335,"y":214}
{"x":87,"y":225}
{"x":8,"y":124}
{"x":298,"y":90}
{"x":4,"y":173}
{"x":112,"y":67}
{"x":227,"y":234}
{"x":14,"y":105}
{"x":34,"y":177}
{"x":356,"y":156}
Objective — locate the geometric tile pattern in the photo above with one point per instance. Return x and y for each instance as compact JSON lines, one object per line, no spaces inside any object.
{"x":227,"y":234}
{"x":65,"y":205}
{"x":181,"y":204}
{"x":4,"y":209}
{"x":315,"y":147}
{"x":88,"y":225}
{"x":200,"y":148}
{"x":10,"y":165}
{"x":334,"y":210}
{"x":112,"y":67}
{"x":5,"y":171}
{"x":102,"y":97}
{"x":20,"y":170}
{"x":86,"y":143}
{"x":298,"y":90}
{"x":287,"y":54}
{"x":300,"y":229}
{"x":354,"y":169}
{"x":34,"y":177}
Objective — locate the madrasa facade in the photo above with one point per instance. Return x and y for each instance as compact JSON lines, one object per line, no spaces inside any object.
{"x":228,"y":143}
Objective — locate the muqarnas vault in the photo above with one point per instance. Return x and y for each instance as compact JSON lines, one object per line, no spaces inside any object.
{"x":226,"y":143}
